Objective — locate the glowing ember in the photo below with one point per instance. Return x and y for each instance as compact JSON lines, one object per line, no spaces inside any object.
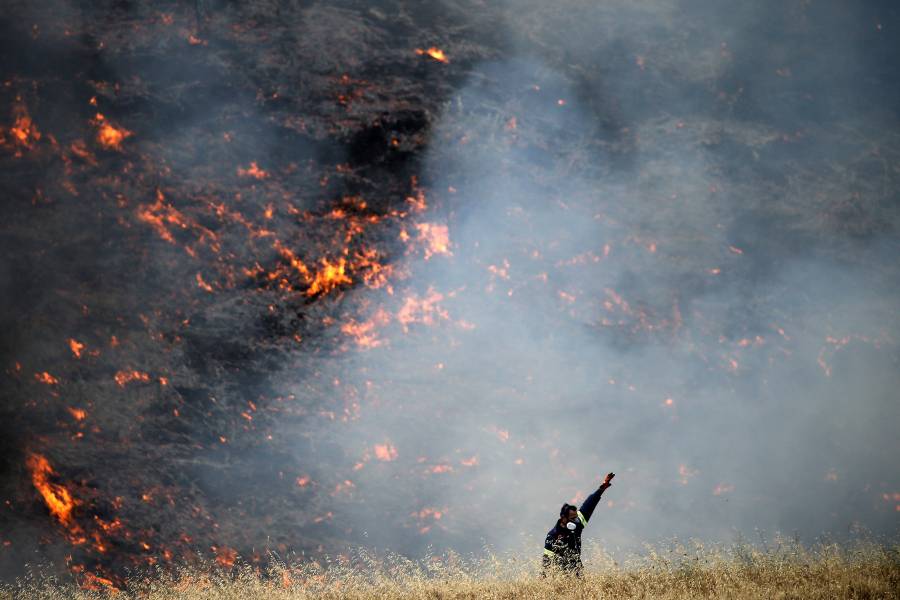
{"x":385,"y":452}
{"x":722,"y":488}
{"x":225,"y":556}
{"x":78,"y":413}
{"x":108,"y":135}
{"x":24,"y":132}
{"x":76,"y":347}
{"x":46,"y":378}
{"x":125,"y":377}
{"x":364,"y":334}
{"x":502,"y":434}
{"x":202,"y":284}
{"x":686,"y":473}
{"x":435,"y":53}
{"x":422,"y":310}
{"x":252,"y":171}
{"x":435,"y":238}
{"x":159,"y":214}
{"x":96,"y":583}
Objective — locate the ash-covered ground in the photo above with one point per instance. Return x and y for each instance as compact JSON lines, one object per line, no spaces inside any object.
{"x":298,"y":277}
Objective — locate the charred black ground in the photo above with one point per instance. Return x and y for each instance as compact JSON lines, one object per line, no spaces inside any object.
{"x":298,"y":276}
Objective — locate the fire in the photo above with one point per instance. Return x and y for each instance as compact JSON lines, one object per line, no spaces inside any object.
{"x":385,"y":452}
{"x":76,"y":347}
{"x":422,"y":310}
{"x":108,"y":135}
{"x":330,"y":276}
{"x":57,"y":498}
{"x":722,"y":488}
{"x":24,"y":132}
{"x":436,"y":239}
{"x":46,"y":378}
{"x":125,"y":377}
{"x":686,"y":473}
{"x":94,"y":582}
{"x":303,"y":481}
{"x":252,"y":171}
{"x":225,"y":556}
{"x":469,"y":462}
{"x":202,"y":284}
{"x":435,"y":53}
{"x":374,"y":274}
{"x":159,"y":214}
{"x":78,"y":413}
{"x":365,"y":333}
{"x":432,"y":514}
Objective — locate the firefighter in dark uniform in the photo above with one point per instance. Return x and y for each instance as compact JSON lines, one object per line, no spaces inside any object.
{"x":562,"y":548}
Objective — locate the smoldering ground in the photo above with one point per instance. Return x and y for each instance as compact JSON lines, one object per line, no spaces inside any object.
{"x":670,"y":252}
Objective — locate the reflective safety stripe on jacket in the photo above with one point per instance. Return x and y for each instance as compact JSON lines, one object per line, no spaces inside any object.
{"x":563,"y":545}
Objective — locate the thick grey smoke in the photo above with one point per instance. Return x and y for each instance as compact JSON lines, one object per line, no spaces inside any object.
{"x":702,"y":319}
{"x":672,"y":254}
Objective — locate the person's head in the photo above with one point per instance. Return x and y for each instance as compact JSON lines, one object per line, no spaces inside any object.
{"x":568,"y":514}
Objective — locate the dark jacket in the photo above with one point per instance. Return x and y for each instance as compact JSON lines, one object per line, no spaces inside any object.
{"x":562,"y":548}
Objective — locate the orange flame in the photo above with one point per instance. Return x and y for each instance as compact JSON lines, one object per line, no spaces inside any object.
{"x":722,"y":488}
{"x":330,"y":276}
{"x":46,"y":378}
{"x":435,"y":53}
{"x":57,"y":498}
{"x":108,"y":135}
{"x":125,"y":377}
{"x":76,"y":347}
{"x":385,"y":452}
{"x":365,"y":333}
{"x":159,"y":214}
{"x":225,"y":556}
{"x":422,"y":310}
{"x":94,"y":582}
{"x":252,"y":171}
{"x":202,"y":284}
{"x":436,"y":239}
{"x":78,"y":413}
{"x":23,"y":131}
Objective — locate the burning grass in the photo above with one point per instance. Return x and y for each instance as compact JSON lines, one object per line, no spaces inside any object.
{"x":862,"y":570}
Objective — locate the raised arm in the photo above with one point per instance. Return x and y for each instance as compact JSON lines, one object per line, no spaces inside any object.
{"x":590,"y":503}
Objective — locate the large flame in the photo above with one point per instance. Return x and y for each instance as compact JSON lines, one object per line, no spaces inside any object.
{"x":57,"y":498}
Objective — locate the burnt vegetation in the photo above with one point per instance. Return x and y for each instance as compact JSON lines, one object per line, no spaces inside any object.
{"x":215,"y":213}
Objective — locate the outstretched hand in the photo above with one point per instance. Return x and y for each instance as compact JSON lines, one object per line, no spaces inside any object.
{"x":608,"y":481}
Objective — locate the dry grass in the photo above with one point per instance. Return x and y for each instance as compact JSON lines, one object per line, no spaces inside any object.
{"x":863,"y":571}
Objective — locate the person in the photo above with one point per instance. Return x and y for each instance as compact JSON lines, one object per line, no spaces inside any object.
{"x":562,"y":548}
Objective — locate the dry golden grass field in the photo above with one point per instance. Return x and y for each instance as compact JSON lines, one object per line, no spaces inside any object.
{"x":863,"y":571}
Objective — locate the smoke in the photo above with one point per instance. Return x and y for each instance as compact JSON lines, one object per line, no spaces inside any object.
{"x":694,"y":316}
{"x":672,"y":241}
